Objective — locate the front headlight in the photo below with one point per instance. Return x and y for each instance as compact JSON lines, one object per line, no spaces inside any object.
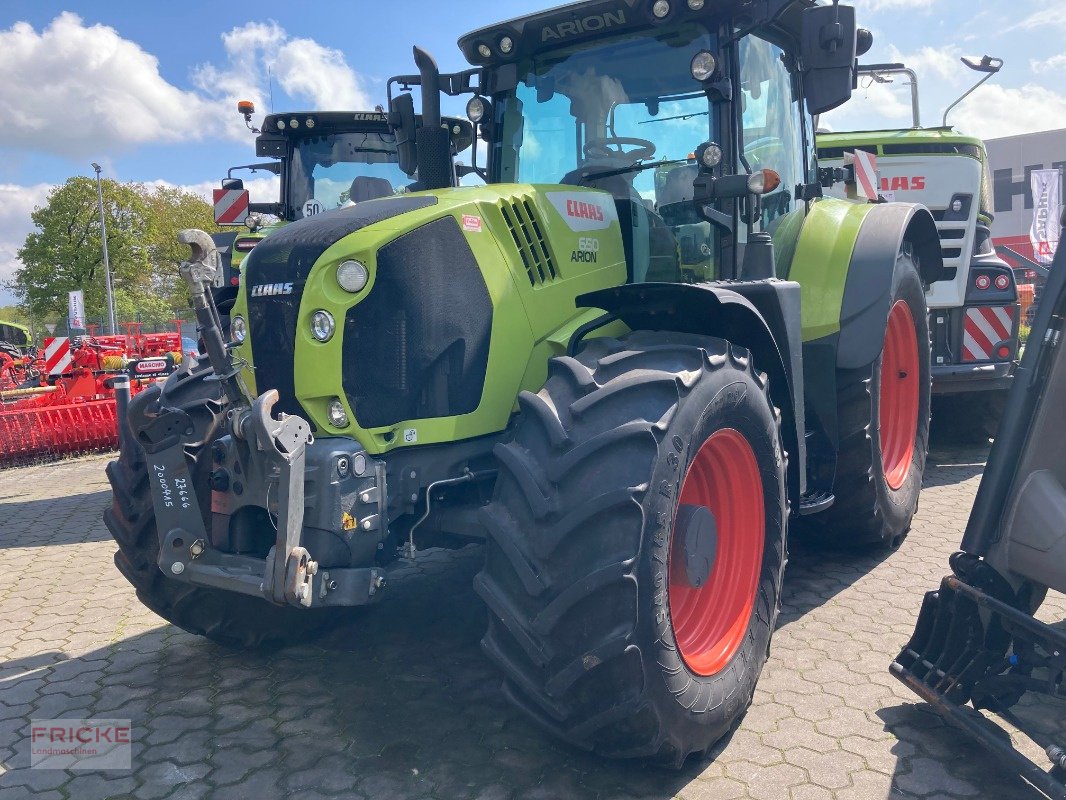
{"x":238,"y":329}
{"x":352,"y":276}
{"x":322,"y":325}
{"x":338,"y":417}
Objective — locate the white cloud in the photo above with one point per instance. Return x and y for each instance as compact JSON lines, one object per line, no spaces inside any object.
{"x":1053,"y":16}
{"x":891,"y":5}
{"x":260,"y":190}
{"x":1000,"y":111}
{"x":70,"y":88}
{"x":1056,"y":62}
{"x":305,"y":70}
{"x":16,"y":205}
{"x":76,"y":90}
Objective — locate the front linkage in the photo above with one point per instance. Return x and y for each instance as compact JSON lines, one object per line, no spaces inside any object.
{"x":260,"y":461}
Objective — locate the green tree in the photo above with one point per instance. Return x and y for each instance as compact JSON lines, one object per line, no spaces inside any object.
{"x":170,"y":210}
{"x":64,"y":251}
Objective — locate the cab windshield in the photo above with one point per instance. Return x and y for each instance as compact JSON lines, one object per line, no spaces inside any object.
{"x":336,"y":170}
{"x":625,"y":116}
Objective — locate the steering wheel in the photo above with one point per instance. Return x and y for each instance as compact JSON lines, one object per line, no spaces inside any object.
{"x":601,"y":148}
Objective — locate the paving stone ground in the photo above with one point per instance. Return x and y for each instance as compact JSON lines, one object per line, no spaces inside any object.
{"x":400,"y":703}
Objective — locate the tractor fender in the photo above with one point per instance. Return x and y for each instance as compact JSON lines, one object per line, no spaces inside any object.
{"x":868,"y":286}
{"x":763,"y":316}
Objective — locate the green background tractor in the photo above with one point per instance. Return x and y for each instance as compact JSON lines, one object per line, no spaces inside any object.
{"x":628,"y":363}
{"x":323,"y":160}
{"x":974,"y":314}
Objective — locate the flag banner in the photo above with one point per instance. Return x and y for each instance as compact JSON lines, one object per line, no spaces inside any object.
{"x":1047,"y":211}
{"x":76,"y":310}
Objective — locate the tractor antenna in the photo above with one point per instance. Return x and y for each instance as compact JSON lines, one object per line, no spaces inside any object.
{"x":986,"y":64}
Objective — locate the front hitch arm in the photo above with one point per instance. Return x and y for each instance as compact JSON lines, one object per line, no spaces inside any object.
{"x":284,"y":441}
{"x":199,"y":273}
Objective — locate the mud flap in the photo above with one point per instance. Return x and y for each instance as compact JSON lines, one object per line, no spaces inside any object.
{"x":971,"y":652}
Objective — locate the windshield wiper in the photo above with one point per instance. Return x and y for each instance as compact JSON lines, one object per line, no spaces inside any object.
{"x":679,"y":116}
{"x":635,"y":168}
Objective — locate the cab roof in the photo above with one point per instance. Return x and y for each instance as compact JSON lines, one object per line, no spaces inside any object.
{"x":592,"y":19}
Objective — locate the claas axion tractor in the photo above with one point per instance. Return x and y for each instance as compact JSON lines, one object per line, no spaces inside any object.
{"x":628,"y":362}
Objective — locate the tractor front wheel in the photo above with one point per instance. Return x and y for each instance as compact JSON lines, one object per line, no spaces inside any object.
{"x":230,"y":619}
{"x":637,"y":545}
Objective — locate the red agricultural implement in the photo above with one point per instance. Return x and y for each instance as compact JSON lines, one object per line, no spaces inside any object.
{"x":61,"y":401}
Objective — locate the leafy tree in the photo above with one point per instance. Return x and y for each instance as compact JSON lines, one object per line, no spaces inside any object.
{"x":170,"y":210}
{"x":64,"y":251}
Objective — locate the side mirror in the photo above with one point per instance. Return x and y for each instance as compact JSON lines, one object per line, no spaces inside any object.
{"x":402,"y":122}
{"x":828,"y":52}
{"x":232,"y":183}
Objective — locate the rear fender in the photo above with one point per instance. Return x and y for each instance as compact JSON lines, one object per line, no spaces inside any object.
{"x":763,"y":316}
{"x":868,"y":287}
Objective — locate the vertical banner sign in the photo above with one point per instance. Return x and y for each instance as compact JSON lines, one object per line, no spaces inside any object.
{"x":76,"y":310}
{"x":1047,"y":210}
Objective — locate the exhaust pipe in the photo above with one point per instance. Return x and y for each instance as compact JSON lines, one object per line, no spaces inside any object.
{"x":433,"y":143}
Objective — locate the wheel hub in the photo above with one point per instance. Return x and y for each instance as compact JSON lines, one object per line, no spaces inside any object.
{"x":698,"y":535}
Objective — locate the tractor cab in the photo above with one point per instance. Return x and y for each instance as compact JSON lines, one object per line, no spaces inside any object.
{"x":664,"y":105}
{"x":324,"y":160}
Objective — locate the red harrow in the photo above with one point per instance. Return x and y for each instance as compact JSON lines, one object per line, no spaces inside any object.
{"x":61,"y":401}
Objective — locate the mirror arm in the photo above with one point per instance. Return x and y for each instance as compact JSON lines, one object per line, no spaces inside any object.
{"x":973,"y":89}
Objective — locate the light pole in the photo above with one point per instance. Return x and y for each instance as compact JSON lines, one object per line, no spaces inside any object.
{"x":107,"y":263}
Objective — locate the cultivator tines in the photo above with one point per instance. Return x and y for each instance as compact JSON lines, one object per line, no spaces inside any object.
{"x":39,"y":432}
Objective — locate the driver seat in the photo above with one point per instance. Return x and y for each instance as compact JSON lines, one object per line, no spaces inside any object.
{"x":651,"y":250}
{"x":367,"y":188}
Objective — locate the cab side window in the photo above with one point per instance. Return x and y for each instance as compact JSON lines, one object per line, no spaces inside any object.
{"x":771,"y":125}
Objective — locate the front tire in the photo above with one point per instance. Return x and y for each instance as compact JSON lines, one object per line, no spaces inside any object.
{"x":620,"y":624}
{"x":227,"y":618}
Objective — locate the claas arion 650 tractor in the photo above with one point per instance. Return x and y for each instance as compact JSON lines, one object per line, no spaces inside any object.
{"x":627,"y":362}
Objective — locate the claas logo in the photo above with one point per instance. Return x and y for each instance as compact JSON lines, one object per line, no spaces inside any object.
{"x":903,"y":184}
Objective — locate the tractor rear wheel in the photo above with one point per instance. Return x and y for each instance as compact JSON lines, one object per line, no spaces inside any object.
{"x":637,"y":545}
{"x":883,"y":414}
{"x":234,"y":620}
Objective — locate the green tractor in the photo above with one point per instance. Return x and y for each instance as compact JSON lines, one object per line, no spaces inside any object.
{"x":626,"y":369}
{"x":324,"y":160}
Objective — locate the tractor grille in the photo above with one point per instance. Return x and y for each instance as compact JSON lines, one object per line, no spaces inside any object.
{"x":418,"y":346}
{"x":528,"y":233}
{"x":282,"y":261}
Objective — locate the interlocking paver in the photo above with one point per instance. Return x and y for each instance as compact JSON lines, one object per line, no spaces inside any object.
{"x":400,"y":703}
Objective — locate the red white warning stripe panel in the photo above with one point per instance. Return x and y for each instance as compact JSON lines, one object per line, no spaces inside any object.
{"x":231,"y":206}
{"x":57,"y":357}
{"x":866,"y":180}
{"x":984,"y":328}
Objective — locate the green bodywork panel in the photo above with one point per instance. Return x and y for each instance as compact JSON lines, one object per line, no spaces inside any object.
{"x":533,"y":318}
{"x":238,"y":256}
{"x":534,"y":311}
{"x":909,"y":138}
{"x":821,"y":260}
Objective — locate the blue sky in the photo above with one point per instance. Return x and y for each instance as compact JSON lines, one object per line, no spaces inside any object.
{"x":147,"y":89}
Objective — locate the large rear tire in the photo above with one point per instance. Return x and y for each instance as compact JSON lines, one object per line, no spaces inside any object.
{"x":637,"y":545}
{"x":883,"y":414}
{"x":231,"y":619}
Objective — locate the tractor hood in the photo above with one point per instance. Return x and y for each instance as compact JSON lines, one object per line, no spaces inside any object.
{"x":462,"y":284}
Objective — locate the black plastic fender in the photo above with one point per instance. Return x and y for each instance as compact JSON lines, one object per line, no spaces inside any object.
{"x":763,"y":316}
{"x":867,"y":289}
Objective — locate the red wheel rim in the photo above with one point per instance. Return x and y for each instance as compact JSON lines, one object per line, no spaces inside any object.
{"x":898,"y":410}
{"x":710,"y":622}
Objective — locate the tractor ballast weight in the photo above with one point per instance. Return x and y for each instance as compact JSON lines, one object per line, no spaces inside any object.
{"x":623,"y":373}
